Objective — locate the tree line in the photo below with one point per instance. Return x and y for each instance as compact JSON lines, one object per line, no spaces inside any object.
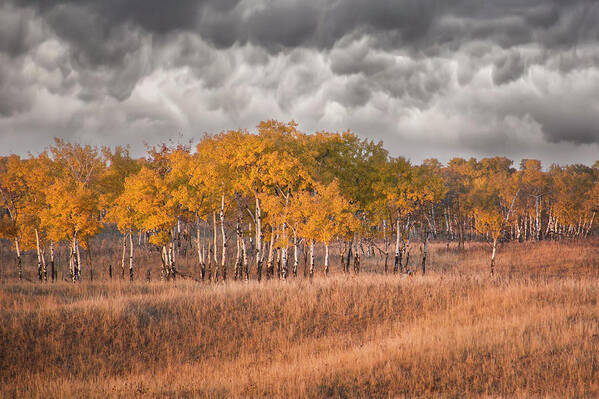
{"x":251,"y":203}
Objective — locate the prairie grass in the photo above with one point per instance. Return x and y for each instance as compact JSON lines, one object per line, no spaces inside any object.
{"x":530,"y":331}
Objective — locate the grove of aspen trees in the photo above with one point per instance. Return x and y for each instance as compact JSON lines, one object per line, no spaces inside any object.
{"x":254,"y":204}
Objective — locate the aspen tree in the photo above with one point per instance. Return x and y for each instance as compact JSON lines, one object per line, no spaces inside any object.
{"x":307,"y":190}
{"x":425,"y":250}
{"x":38,"y":174}
{"x":269,"y":263}
{"x":245,"y":259}
{"x":491,"y":206}
{"x":74,"y":198}
{"x":216,"y":177}
{"x":123,"y":257}
{"x":325,"y":215}
{"x":224,"y":238}
{"x":52,"y":271}
{"x":573,"y":186}
{"x":458,"y":177}
{"x":295,"y":253}
{"x":155,"y":211}
{"x":124,"y":212}
{"x":13,"y":193}
{"x":190,"y":190}
{"x":259,"y":253}
{"x":118,"y":208}
{"x":311,"y":258}
{"x":287,"y":172}
{"x":592,"y":205}
{"x":259,"y":164}
{"x":238,"y":271}
{"x":130,"y":255}
{"x":403,"y":196}
{"x":215,"y":246}
{"x":430,"y":191}
{"x":534,"y":188}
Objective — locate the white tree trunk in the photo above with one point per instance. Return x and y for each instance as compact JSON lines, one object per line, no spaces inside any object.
{"x":173,"y":250}
{"x":259,"y":252}
{"x":386,"y":243}
{"x":493,"y":256}
{"x":311,"y":258}
{"x":238,"y":266}
{"x":72,"y":261}
{"x":44,"y":266}
{"x":326,"y":258}
{"x":52,"y":260}
{"x":295,"y":254}
{"x":358,"y":244}
{"x":19,"y":260}
{"x":39,"y":256}
{"x":199,"y":247}
{"x":408,"y":247}
{"x":164,"y":258}
{"x":396,"y":265}
{"x":434,"y":223}
{"x":169,"y":260}
{"x":284,"y":261}
{"x":270,"y":266}
{"x":424,"y":252}
{"x":78,"y":257}
{"x":246,"y":266}
{"x":215,"y":246}
{"x":224,"y":237}
{"x":284,"y":252}
{"x":538,"y":220}
{"x":123,"y":257}
{"x":549,"y":222}
{"x":172,"y":266}
{"x":130,"y":255}
{"x":590,"y":225}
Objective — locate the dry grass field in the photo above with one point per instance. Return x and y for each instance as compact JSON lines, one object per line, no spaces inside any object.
{"x":530,"y":331}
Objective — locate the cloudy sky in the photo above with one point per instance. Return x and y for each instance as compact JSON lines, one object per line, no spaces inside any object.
{"x":430,"y":78}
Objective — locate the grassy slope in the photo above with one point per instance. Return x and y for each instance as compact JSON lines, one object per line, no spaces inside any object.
{"x":532,"y":331}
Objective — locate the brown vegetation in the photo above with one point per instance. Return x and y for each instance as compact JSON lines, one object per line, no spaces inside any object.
{"x":531,"y":331}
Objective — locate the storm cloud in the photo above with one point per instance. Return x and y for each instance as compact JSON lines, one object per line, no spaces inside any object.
{"x":430,"y":78}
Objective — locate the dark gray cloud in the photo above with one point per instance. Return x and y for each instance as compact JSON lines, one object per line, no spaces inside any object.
{"x":417,"y":24}
{"x":17,"y":31}
{"x":431,"y":77}
{"x":13,"y":98}
{"x":508,"y":68}
{"x":152,"y":15}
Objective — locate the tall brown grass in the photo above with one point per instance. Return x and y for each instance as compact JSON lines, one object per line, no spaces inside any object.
{"x":531,"y":331}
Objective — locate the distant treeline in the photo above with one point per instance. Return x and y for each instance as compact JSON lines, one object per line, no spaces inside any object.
{"x":252,"y":202}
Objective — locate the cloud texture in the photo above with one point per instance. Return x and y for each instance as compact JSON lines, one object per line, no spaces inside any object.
{"x":430,"y":78}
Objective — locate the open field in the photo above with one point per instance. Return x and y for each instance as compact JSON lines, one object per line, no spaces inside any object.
{"x":299,"y":199}
{"x":531,"y":331}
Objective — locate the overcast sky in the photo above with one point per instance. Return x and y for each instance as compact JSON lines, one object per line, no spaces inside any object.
{"x":440,"y":79}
